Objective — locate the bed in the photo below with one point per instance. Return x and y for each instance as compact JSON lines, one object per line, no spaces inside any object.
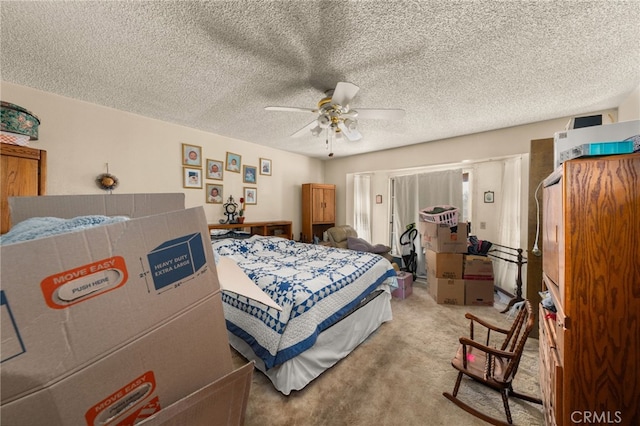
{"x":332,"y":299}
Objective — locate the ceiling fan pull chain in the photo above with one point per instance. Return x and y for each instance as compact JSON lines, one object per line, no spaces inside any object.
{"x":330,"y":137}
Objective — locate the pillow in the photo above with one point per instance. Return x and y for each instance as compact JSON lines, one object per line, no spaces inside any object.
{"x":354,"y":243}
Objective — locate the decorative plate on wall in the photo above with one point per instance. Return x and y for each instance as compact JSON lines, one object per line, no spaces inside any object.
{"x":16,"y":119}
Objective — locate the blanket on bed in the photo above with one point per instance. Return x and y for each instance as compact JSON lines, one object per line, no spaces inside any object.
{"x":315,"y":285}
{"x":40,"y":227}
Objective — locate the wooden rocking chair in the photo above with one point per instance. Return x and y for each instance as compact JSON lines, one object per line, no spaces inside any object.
{"x":491,"y":366}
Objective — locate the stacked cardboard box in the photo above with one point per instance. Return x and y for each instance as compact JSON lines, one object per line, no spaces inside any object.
{"x":444,"y":250}
{"x":478,"y":280}
{"x":112,"y":324}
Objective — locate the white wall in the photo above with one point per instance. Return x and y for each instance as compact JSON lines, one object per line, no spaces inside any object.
{"x":80,"y":138}
{"x":145,"y":154}
{"x":476,"y":147}
{"x":448,"y":153}
{"x":629,"y":109}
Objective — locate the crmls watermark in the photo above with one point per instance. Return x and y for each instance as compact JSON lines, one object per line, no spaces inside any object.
{"x":594,"y":417}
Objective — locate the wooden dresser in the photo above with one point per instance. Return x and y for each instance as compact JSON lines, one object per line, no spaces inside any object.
{"x":590,"y":350}
{"x":318,"y":210}
{"x":24,"y":172}
{"x":280,"y":228}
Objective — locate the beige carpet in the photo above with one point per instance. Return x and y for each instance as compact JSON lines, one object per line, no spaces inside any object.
{"x":397,"y":376}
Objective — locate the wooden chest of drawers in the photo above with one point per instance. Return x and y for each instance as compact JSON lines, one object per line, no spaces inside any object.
{"x":590,"y":347}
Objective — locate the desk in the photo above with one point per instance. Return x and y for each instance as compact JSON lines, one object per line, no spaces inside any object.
{"x":281,"y":228}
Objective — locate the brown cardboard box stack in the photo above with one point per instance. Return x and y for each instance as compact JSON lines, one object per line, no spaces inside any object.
{"x":478,"y":280}
{"x":444,"y":251}
{"x":453,"y":276}
{"x":115,"y":324}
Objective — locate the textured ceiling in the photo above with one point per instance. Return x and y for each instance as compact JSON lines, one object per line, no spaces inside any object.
{"x":455,"y":67}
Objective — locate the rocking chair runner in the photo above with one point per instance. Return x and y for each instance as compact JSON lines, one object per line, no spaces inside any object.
{"x":495,"y":368}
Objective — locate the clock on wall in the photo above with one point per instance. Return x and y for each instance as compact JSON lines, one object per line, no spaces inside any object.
{"x":230,"y":209}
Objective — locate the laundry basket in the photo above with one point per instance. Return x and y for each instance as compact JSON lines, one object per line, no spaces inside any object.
{"x":440,"y":214}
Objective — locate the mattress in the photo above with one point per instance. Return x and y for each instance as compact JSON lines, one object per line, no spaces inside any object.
{"x":332,"y":345}
{"x":317,"y":286}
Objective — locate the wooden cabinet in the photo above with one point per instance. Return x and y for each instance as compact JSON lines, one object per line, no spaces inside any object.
{"x":318,"y":210}
{"x":24,"y":172}
{"x":590,"y":348}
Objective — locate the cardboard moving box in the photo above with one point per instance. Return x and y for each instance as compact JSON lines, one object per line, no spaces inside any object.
{"x":479,"y":292}
{"x":478,"y":267}
{"x":109,"y":324}
{"x":444,"y":265}
{"x":441,"y":238}
{"x":221,"y":403}
{"x":446,"y":290}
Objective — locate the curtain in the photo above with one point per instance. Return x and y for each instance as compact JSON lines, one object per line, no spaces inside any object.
{"x":509,"y":218}
{"x":415,"y":192}
{"x":362,"y":206}
{"x":405,"y":210}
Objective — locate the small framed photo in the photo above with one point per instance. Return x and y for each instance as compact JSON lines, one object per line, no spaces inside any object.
{"x":488,"y":197}
{"x":378,"y":199}
{"x":215,"y":169}
{"x":191,"y":155}
{"x":214,"y":193}
{"x":249,"y":174}
{"x":250,"y":195}
{"x":233,"y":162}
{"x":265,"y":166}
{"x":192,"y":178}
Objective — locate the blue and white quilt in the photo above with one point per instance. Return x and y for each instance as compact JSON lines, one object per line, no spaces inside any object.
{"x":315,"y":285}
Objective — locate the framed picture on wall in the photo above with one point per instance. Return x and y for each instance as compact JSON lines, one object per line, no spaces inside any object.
{"x":265,"y":166}
{"x":249,"y":174}
{"x":192,"y":178}
{"x":214,"y":193}
{"x":191,"y":155}
{"x":215,"y":169}
{"x":250,"y":195}
{"x":233,"y":162}
{"x":488,"y":197}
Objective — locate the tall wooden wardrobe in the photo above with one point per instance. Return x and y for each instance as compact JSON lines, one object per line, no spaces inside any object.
{"x":318,"y":210}
{"x":590,"y":347}
{"x":24,"y":172}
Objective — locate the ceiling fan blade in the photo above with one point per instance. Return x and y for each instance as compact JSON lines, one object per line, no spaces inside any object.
{"x":385,"y":114}
{"x":344,"y":93}
{"x":305,"y":130}
{"x":290,"y":109}
{"x":351,"y":134}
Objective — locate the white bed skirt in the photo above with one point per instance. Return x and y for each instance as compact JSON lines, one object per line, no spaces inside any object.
{"x":332,"y":345}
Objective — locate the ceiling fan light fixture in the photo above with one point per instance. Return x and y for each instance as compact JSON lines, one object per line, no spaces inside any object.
{"x":337,"y":118}
{"x":351,"y":124}
{"x":324,"y":121}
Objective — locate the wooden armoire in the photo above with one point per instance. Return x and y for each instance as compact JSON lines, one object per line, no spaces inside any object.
{"x":318,"y":210}
{"x":24,"y":172}
{"x":590,"y":347}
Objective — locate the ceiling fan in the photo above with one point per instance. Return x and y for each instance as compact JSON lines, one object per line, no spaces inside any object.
{"x":336,"y":117}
